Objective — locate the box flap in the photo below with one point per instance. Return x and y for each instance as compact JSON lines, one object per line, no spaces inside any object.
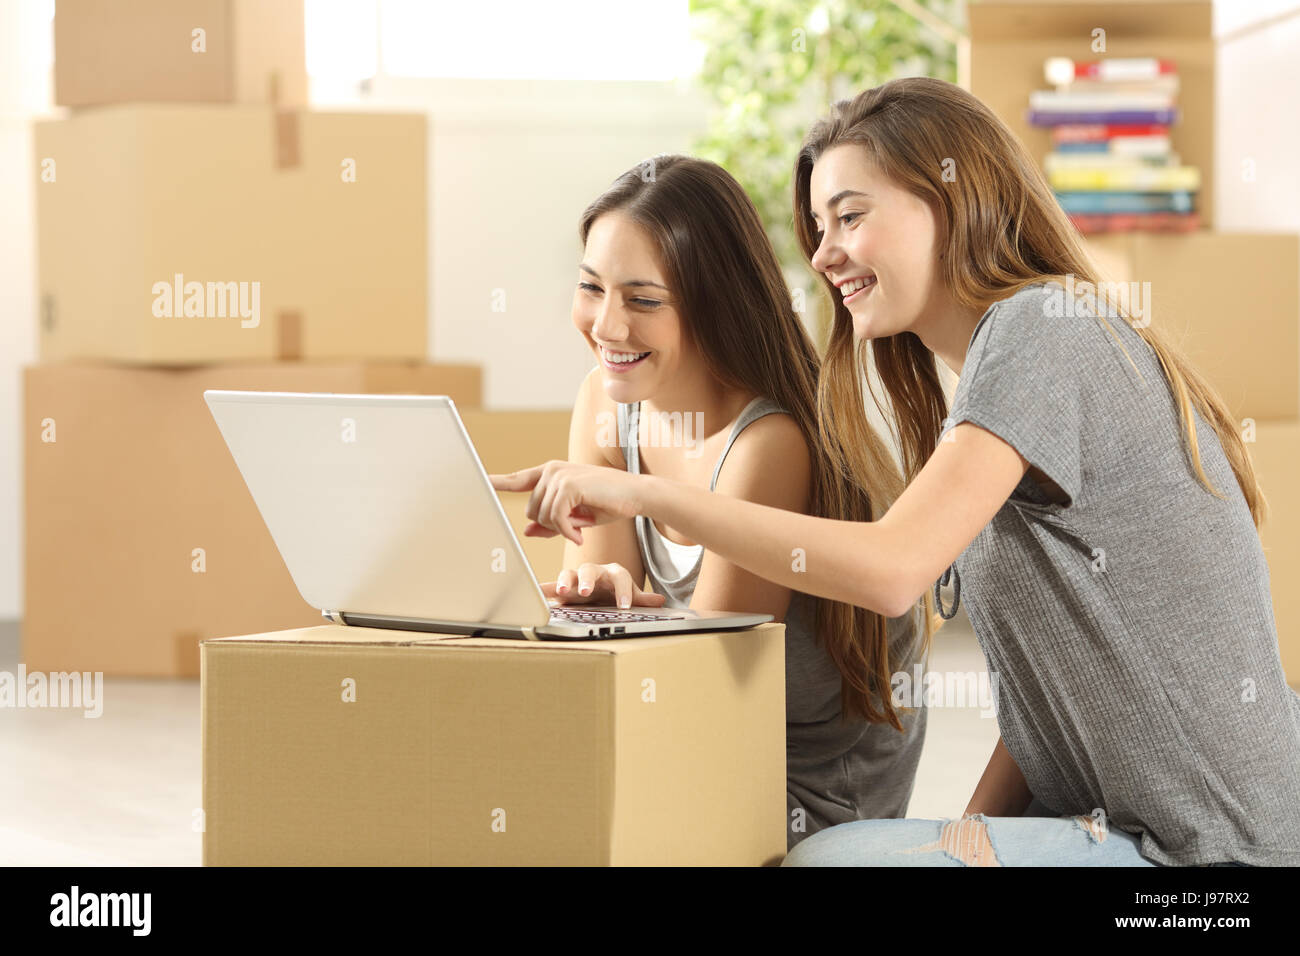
{"x":375,"y":636}
{"x":335,"y":634}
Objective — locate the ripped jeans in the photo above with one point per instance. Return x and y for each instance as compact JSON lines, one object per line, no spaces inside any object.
{"x":1038,"y":838}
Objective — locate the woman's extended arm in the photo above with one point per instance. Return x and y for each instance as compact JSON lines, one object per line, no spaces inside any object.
{"x":884,"y":565}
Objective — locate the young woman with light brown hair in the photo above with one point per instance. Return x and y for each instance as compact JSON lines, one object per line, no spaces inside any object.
{"x":1087,"y":491}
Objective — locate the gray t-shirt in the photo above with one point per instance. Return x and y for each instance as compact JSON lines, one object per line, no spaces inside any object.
{"x":836,"y":771}
{"x":1130,"y":629}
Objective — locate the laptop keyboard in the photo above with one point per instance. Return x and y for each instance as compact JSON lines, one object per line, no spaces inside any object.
{"x":589,"y":617}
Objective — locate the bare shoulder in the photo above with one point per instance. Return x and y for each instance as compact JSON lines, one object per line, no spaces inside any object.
{"x":770,"y":462}
{"x":595,"y":422}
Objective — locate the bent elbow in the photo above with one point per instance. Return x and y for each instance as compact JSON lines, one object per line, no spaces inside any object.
{"x":887,"y":578}
{"x":902,"y":597}
{"x":886,"y":599}
{"x":899,"y":609}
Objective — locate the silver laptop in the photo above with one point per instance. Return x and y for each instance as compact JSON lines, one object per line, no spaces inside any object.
{"x":385,"y":517}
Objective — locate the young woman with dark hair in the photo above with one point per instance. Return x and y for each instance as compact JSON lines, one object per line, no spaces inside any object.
{"x":707,"y":378}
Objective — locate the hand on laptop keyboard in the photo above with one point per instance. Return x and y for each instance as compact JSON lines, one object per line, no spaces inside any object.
{"x":605,"y":584}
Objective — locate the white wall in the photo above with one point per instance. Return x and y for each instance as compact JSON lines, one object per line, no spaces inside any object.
{"x":1258,"y":100}
{"x":512,"y":166}
{"x":24,"y":92}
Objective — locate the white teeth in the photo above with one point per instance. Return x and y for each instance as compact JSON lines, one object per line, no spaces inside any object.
{"x":618,"y":358}
{"x":853,"y":286}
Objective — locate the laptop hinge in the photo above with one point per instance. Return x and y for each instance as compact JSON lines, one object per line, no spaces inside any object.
{"x":334,"y":617}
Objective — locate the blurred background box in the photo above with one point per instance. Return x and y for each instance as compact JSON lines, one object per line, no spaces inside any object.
{"x":326,"y":212}
{"x":1011,"y":40}
{"x":507,"y":441}
{"x":136,"y":479}
{"x":488,"y":752}
{"x":127,"y":51}
{"x":1231,"y":301}
{"x":1276,"y":455}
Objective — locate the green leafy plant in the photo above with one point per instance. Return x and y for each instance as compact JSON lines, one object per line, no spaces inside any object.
{"x":773,"y":66}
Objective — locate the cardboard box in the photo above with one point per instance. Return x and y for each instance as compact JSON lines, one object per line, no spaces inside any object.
{"x":1230,"y":300}
{"x":1276,"y":455}
{"x":475,"y":751}
{"x":186,"y":234}
{"x":1011,"y":39}
{"x":509,"y":441}
{"x":140,"y":535}
{"x":219,"y":51}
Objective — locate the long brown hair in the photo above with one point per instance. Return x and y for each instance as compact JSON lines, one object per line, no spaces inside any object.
{"x":736,"y":307}
{"x":1002,"y":230}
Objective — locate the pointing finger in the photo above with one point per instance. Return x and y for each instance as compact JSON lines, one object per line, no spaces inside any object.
{"x":518,"y":480}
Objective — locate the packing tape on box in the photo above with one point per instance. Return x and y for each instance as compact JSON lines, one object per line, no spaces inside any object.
{"x":288,"y":343}
{"x":187,"y":653}
{"x":286,"y":139}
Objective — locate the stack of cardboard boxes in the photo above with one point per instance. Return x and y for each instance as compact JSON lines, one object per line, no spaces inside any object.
{"x":199,"y":227}
{"x":1230,"y":301}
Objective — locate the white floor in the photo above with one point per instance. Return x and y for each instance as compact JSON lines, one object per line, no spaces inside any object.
{"x":123,"y":789}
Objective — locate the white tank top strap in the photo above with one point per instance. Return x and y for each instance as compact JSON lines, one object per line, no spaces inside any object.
{"x":631,"y":453}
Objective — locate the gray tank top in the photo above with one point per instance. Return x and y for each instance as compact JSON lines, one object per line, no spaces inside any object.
{"x":836,"y":771}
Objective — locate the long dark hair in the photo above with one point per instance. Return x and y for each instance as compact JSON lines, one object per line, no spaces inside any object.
{"x":737,"y":309}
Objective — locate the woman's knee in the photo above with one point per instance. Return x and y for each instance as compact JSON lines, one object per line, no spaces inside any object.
{"x":861,"y":842}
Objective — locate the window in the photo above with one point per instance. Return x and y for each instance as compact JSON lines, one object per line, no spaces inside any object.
{"x":500,"y":39}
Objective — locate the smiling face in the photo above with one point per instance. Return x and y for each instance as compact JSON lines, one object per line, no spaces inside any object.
{"x":624,"y":309}
{"x":877,"y":243}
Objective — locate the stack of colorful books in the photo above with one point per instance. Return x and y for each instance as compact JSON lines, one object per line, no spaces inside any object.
{"x":1111,"y":164}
